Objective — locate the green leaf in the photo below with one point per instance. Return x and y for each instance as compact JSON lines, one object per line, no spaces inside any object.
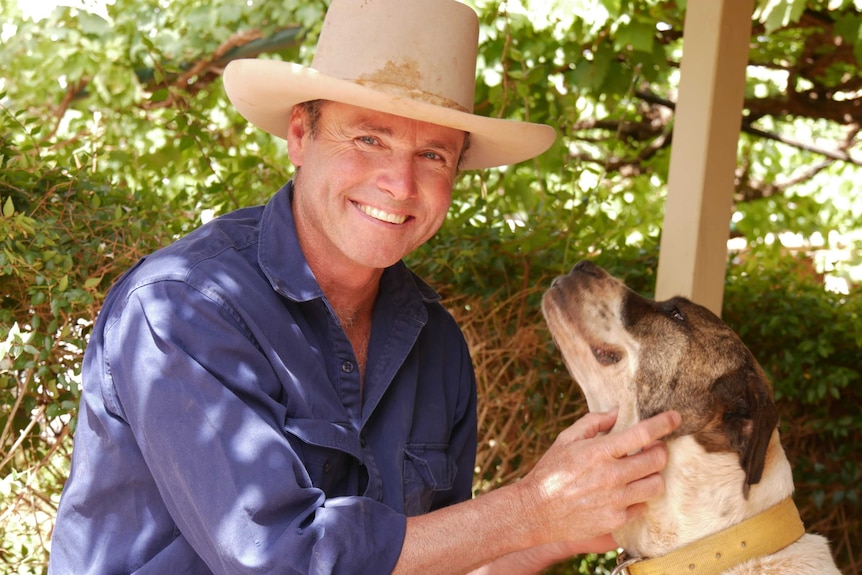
{"x":775,"y":14}
{"x":92,"y":24}
{"x":9,"y":207}
{"x":160,"y":95}
{"x":640,"y":36}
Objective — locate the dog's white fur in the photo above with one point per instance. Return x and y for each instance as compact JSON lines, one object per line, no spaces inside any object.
{"x":703,"y":492}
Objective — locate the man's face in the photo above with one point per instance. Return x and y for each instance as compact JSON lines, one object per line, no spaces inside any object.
{"x":371,"y":187}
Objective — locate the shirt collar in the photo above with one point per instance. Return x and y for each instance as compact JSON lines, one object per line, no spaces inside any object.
{"x":287,"y":270}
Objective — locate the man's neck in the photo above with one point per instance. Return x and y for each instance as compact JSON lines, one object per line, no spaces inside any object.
{"x":350,"y":292}
{"x":352,"y":300}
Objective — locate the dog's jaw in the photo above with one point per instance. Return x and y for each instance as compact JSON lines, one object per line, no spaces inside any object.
{"x":599,"y":355}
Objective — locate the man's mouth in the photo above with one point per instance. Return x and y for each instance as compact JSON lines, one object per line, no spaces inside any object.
{"x":379,"y":214}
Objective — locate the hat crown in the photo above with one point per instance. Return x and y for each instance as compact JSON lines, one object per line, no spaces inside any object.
{"x":413,"y":49}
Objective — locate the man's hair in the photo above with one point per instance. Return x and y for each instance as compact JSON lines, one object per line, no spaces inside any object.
{"x":312,"y":109}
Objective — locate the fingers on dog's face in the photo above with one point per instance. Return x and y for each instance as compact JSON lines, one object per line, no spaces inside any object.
{"x":645,"y":434}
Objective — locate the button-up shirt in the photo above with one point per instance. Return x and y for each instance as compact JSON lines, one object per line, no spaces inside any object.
{"x":223,"y":426}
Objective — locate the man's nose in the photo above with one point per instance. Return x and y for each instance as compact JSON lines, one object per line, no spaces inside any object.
{"x":398,"y":175}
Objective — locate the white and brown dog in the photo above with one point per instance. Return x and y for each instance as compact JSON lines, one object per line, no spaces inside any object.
{"x":727,"y":505}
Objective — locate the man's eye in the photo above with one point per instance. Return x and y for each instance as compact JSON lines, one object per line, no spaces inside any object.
{"x":368,"y":140}
{"x":433,"y":156}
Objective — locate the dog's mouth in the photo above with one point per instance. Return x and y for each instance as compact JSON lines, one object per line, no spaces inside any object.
{"x":605,"y":354}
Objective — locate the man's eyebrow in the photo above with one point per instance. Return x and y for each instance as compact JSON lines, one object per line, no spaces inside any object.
{"x":442,"y":146}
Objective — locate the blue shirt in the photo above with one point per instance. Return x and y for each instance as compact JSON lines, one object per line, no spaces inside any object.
{"x":222,"y":427}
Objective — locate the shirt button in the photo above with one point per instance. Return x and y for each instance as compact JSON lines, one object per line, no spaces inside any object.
{"x":327,"y":467}
{"x":347,"y":366}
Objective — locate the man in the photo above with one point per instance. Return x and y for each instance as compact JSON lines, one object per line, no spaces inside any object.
{"x":278,"y":393}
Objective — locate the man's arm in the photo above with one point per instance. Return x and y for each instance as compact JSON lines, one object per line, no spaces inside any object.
{"x":584,"y":487}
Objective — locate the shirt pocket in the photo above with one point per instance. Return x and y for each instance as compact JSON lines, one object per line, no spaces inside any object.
{"x":428,"y":470}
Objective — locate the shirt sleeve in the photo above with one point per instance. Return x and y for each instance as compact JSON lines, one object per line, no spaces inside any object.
{"x":200,"y":398}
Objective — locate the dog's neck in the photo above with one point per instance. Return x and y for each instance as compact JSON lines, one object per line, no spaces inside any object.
{"x":689,"y":511}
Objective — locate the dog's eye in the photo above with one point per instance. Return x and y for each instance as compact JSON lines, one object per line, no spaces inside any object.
{"x":674,"y":313}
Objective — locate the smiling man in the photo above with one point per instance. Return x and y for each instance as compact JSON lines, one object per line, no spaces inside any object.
{"x":278,"y":393}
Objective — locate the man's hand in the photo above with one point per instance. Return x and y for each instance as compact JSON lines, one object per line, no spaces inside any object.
{"x":589,"y":484}
{"x":585,"y":486}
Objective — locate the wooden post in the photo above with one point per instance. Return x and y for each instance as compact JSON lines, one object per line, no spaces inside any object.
{"x":693,"y":254}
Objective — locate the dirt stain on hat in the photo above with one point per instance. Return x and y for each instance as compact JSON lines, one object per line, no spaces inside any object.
{"x":405,"y":74}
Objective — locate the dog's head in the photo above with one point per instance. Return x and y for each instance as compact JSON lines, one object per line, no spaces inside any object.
{"x":647,"y":356}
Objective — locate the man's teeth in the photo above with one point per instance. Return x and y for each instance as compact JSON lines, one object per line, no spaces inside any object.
{"x":381,"y":215}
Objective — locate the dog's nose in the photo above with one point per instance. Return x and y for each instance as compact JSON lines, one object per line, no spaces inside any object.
{"x":587,"y":267}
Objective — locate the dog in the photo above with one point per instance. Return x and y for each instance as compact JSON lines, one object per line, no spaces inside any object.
{"x":727,"y":504}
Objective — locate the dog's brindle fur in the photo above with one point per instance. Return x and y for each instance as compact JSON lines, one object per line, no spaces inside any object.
{"x":725,"y":462}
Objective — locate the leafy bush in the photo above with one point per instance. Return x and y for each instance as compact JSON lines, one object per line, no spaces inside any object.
{"x":809,"y":341}
{"x":64,"y":237}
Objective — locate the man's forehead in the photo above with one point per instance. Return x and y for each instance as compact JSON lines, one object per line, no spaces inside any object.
{"x":385,"y":123}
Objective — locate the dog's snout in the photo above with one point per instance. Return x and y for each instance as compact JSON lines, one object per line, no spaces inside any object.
{"x":588,"y":267}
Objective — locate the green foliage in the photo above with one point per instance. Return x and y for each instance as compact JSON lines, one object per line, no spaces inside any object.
{"x":810,"y":344}
{"x":775,"y":15}
{"x":812,"y":337}
{"x":65,"y":234}
{"x":116,"y":137}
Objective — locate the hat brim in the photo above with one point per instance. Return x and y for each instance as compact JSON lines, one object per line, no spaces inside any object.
{"x":264,"y":91}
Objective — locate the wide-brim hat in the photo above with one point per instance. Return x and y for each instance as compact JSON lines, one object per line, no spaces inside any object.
{"x":410,"y":58}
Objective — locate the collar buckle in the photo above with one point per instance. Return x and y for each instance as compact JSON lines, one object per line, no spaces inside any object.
{"x":623,"y":562}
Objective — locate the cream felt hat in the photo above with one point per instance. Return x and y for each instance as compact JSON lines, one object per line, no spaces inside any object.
{"x":411,"y":58}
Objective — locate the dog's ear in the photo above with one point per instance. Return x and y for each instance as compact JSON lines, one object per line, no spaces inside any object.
{"x":748,"y":417}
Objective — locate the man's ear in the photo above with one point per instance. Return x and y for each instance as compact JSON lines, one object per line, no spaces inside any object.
{"x":297,"y":131}
{"x":748,"y":417}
